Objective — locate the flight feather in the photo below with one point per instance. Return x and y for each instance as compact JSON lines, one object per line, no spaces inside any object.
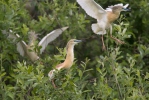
{"x":92,"y":8}
{"x":20,"y":44}
{"x":50,"y":37}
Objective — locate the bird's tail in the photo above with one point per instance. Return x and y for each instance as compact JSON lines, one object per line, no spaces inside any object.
{"x":96,"y":29}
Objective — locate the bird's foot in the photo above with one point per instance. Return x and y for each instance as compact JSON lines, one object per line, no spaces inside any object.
{"x":53,"y":84}
{"x":103,"y":47}
{"x":119,"y":41}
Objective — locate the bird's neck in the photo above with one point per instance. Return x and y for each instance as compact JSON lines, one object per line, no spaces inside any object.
{"x":31,"y":52}
{"x":117,"y":12}
{"x":70,"y":57}
{"x":32,"y":42}
{"x":112,"y":16}
{"x":32,"y":39}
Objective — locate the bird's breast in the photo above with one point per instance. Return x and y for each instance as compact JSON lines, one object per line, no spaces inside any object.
{"x":69,"y":59}
{"x":69,"y":62}
{"x":112,"y":17}
{"x":32,"y":55}
{"x":103,"y":23}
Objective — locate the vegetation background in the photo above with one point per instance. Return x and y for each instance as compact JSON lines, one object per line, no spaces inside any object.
{"x":120,"y":73}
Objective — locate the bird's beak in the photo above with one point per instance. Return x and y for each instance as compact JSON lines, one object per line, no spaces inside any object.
{"x":77,"y":41}
{"x":126,"y":9}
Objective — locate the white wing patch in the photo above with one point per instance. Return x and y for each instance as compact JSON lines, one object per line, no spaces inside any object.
{"x":92,"y":8}
{"x":20,"y":46}
{"x":120,"y":4}
{"x":50,"y":37}
{"x":126,"y":6}
{"x":108,"y":9}
{"x":20,"y":49}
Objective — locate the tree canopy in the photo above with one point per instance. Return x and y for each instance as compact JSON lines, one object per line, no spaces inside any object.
{"x":119,"y":73}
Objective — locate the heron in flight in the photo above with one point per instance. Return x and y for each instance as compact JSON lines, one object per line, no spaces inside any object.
{"x":68,"y":61}
{"x":104,"y":17}
{"x":28,"y":49}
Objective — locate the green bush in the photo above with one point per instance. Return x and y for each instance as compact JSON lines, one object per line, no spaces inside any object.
{"x":120,"y":73}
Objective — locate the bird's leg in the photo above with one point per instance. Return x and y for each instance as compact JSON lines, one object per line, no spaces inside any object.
{"x":53,"y":83}
{"x":103,"y":45}
{"x":119,"y":41}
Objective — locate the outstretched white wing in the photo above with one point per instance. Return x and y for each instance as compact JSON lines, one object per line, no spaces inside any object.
{"x":50,"y":37}
{"x":20,"y":45}
{"x":120,"y":4}
{"x":92,"y":9}
{"x":126,"y":6}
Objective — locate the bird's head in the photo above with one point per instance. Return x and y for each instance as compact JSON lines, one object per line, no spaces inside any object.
{"x":119,"y":7}
{"x":72,"y":42}
{"x":32,"y":35}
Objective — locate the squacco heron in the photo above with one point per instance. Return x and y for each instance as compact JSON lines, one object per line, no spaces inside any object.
{"x":104,"y":17}
{"x":28,"y":49}
{"x":68,"y":61}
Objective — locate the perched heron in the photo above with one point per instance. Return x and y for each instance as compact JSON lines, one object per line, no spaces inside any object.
{"x":28,"y":50}
{"x":104,"y":17}
{"x":68,"y":61}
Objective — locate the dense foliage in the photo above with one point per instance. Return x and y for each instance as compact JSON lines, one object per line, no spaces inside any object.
{"x":119,"y":73}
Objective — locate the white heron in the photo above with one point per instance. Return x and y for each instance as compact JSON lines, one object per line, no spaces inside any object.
{"x":104,"y":17}
{"x":28,"y":49}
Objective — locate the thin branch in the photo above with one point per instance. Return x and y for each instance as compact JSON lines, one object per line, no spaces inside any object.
{"x":118,"y":86}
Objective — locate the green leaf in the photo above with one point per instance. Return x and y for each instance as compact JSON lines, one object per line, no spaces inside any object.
{"x":25,"y":29}
{"x":141,"y":51}
{"x":80,"y":73}
{"x":146,"y":51}
{"x":3,"y":74}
